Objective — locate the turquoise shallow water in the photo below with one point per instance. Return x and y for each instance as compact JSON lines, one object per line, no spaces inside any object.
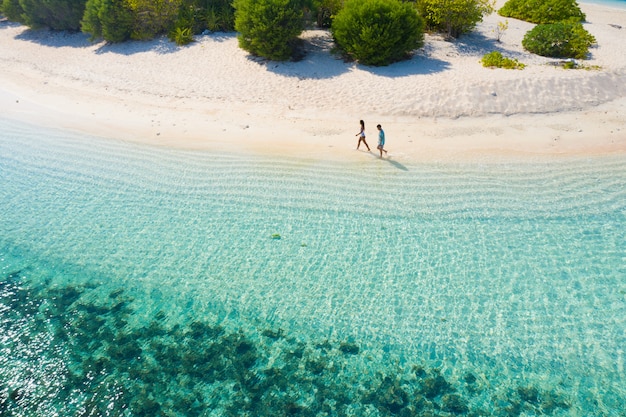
{"x":143,"y":281}
{"x":618,"y":4}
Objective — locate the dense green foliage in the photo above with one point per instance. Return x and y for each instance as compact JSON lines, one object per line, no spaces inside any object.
{"x":111,"y":20}
{"x":543,"y":11}
{"x":218,"y":15}
{"x":378,"y":32}
{"x":181,"y":35}
{"x":11,"y":9}
{"x":559,"y":40}
{"x":120,"y":20}
{"x":495,"y":59}
{"x":454,"y":17}
{"x":53,"y":14}
{"x":325,"y":11}
{"x":153,"y":17}
{"x":269,"y":28}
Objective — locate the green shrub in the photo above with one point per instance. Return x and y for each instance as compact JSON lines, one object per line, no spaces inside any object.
{"x":198,"y":15}
{"x":181,"y":35}
{"x":496,"y":60}
{"x":269,"y":28}
{"x":575,"y":65}
{"x":454,"y":17}
{"x":12,"y":10}
{"x":325,"y":11}
{"x":110,"y":20}
{"x":378,"y":32}
{"x":220,"y":17}
{"x":543,"y":11}
{"x":559,"y":40}
{"x":212,"y":19}
{"x":189,"y":16}
{"x":53,"y":14}
{"x":153,"y":17}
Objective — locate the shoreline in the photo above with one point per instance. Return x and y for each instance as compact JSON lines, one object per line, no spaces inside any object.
{"x":440,"y":105}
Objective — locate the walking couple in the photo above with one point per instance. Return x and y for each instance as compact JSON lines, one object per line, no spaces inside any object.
{"x":381,"y":138}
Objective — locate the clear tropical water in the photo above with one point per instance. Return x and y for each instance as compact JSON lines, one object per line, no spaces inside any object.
{"x":143,"y":281}
{"x":619,"y":4}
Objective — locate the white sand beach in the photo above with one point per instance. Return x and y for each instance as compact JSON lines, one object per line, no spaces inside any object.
{"x":441,"y":104}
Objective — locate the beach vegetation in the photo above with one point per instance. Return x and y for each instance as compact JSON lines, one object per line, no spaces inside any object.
{"x":51,"y":14}
{"x":270,"y":28}
{"x":181,"y":35}
{"x":572,"y":64}
{"x":189,"y":21}
{"x":325,"y":11}
{"x":111,"y":20}
{"x":200,"y":15}
{"x":189,"y":17}
{"x":378,"y":32}
{"x":543,"y":11}
{"x":559,"y":40}
{"x":569,"y":65}
{"x":500,"y":29}
{"x":454,"y":17}
{"x":212,"y":20}
{"x":495,"y":59}
{"x":219,"y":16}
{"x":11,"y":9}
{"x":153,"y":17}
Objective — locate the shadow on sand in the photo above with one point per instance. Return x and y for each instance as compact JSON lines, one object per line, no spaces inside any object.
{"x":396,"y":164}
{"x":317,"y":61}
{"x":422,"y":62}
{"x":161,"y":45}
{"x":55,"y":39}
{"x":392,"y":162}
{"x":58,"y":39}
{"x":6,"y":23}
{"x":67,"y":39}
{"x":417,"y":65}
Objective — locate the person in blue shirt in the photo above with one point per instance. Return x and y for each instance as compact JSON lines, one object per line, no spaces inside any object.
{"x":381,"y":140}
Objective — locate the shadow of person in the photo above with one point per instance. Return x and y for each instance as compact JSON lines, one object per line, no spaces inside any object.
{"x":396,"y":164}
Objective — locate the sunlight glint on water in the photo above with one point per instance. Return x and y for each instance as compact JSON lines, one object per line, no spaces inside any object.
{"x":513,"y":273}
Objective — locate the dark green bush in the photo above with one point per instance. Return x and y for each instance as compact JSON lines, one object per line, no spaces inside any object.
{"x":453,"y":17}
{"x":220,"y":16}
{"x":543,"y":11}
{"x":52,"y":14}
{"x":325,"y":11}
{"x":496,"y":60}
{"x":110,"y":20}
{"x":181,"y":35}
{"x":559,"y":40}
{"x":12,"y":10}
{"x":378,"y":32}
{"x":153,"y":17}
{"x":198,"y":15}
{"x":269,"y":28}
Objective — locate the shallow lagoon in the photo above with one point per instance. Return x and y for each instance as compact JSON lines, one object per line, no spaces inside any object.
{"x":146,"y":281}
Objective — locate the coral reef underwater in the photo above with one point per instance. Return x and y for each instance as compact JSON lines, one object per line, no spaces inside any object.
{"x":69,"y":351}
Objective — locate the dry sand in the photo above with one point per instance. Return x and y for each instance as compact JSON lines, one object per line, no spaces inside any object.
{"x":441,"y":104}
